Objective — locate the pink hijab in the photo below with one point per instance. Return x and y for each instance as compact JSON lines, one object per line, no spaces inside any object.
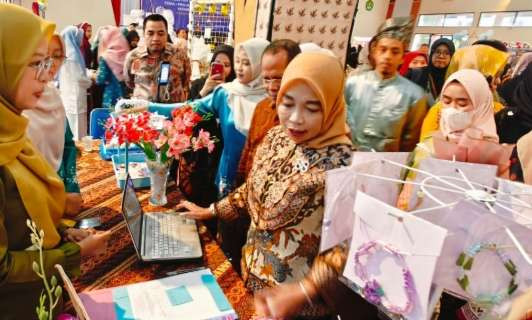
{"x":482,"y":99}
{"x":113,"y":49}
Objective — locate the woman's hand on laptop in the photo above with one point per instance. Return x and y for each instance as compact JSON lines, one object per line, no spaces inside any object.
{"x":192,"y":211}
{"x":94,"y":244}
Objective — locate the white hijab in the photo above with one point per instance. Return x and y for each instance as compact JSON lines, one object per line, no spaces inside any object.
{"x":243,"y":98}
{"x":46,"y":128}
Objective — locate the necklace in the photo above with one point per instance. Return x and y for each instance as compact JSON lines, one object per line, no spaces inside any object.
{"x":372,"y":290}
{"x":465,"y":263}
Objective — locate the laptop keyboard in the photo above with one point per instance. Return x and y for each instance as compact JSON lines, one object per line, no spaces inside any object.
{"x":166,"y":233}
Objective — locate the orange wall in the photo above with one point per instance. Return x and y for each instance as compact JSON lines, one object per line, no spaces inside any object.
{"x":244,"y":19}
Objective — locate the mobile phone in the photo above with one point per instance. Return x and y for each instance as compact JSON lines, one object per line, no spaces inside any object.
{"x":89,"y":223}
{"x":165,"y":73}
{"x":217,"y":68}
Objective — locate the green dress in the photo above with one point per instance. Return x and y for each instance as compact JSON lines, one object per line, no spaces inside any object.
{"x":67,"y":169}
{"x":20,"y":287}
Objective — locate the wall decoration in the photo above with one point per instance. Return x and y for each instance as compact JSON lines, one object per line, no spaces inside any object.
{"x":327,"y":23}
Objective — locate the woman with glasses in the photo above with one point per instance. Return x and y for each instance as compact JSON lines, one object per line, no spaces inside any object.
{"x":57,"y":145}
{"x":73,"y":82}
{"x":432,"y":77}
{"x":29,"y":187}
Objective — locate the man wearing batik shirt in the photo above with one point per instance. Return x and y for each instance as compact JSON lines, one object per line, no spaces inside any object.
{"x":143,"y":66}
{"x":384,"y":110}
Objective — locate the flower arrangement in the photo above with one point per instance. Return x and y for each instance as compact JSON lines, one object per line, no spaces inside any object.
{"x":161,"y":144}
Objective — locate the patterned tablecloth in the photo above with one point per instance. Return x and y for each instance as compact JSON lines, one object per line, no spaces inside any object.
{"x":119,"y":265}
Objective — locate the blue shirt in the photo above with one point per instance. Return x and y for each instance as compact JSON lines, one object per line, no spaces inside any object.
{"x":217,"y":104}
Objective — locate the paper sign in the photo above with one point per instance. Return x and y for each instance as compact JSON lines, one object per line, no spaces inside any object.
{"x":342,"y":185}
{"x":420,"y":243}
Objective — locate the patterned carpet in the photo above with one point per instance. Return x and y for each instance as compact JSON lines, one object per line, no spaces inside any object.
{"x":119,"y":265}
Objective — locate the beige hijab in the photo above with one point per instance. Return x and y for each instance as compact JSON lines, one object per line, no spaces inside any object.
{"x":243,"y":98}
{"x":482,"y":99}
{"x":311,"y":67}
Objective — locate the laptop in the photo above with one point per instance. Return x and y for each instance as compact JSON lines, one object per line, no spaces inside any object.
{"x":159,"y":236}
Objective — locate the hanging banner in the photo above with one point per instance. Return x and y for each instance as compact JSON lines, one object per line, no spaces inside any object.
{"x":180,"y":8}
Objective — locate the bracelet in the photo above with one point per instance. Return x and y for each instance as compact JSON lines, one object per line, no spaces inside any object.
{"x":372,"y":290}
{"x":305,"y":293}
{"x":212,"y":209}
{"x":465,"y":262}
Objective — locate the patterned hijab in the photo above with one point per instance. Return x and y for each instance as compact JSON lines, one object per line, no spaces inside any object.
{"x":310,"y":67}
{"x":41,"y":190}
{"x":399,"y":28}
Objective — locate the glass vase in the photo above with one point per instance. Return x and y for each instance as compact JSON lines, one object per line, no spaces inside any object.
{"x":158,"y":178}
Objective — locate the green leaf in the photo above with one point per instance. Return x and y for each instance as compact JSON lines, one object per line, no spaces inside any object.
{"x":149,"y":151}
{"x":164,"y":150}
{"x":468,"y":264}
{"x":53,"y":281}
{"x":35,"y":267}
{"x":58,"y":291}
{"x":461,"y":259}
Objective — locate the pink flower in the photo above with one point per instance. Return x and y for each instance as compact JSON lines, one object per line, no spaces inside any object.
{"x":178,"y":144}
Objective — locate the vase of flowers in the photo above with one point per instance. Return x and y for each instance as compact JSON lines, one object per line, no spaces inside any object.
{"x":161,"y":144}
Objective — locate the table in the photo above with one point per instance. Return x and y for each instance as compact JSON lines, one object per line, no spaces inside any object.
{"x":119,"y":265}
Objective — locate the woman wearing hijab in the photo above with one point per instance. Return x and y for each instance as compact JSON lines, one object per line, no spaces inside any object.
{"x":489,"y":61}
{"x":432,"y":77}
{"x":29,"y":187}
{"x":204,"y":86}
{"x":197,"y":171}
{"x":466,"y":116}
{"x":73,"y":82}
{"x":57,"y":145}
{"x":284,"y":191}
{"x":233,"y":104}
{"x":412,"y":61}
{"x":112,"y":53}
{"x":85,"y":46}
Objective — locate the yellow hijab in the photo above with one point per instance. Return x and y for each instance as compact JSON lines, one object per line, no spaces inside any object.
{"x":40,"y":188}
{"x":324,"y":74}
{"x":485,"y":59}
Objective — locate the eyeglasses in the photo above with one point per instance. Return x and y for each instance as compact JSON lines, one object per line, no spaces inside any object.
{"x":42,"y":67}
{"x":442,"y":53}
{"x":272,"y":80}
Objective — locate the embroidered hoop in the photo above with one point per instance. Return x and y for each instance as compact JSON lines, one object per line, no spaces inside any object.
{"x":372,"y":290}
{"x":465,"y":262}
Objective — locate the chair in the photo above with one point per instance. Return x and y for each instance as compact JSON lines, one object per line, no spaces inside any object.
{"x":97,"y":122}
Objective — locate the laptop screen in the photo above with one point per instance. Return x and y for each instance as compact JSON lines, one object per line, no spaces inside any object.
{"x":132,"y":211}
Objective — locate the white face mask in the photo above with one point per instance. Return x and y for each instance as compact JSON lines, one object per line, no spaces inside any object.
{"x":456,"y":120}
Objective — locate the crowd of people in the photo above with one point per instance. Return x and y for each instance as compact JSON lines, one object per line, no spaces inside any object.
{"x":285,"y":114}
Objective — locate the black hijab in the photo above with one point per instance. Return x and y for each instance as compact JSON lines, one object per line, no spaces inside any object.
{"x":229,"y":51}
{"x":438,"y":74}
{"x":422,"y":76}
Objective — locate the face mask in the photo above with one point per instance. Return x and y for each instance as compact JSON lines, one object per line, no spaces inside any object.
{"x":456,"y":120}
